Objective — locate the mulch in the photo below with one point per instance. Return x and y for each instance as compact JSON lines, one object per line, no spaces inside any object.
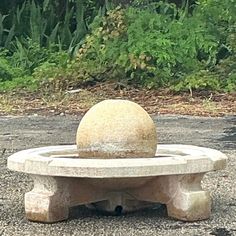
{"x":77,"y":102}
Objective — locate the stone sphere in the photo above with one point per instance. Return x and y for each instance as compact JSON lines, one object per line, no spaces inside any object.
{"x":116,"y":129}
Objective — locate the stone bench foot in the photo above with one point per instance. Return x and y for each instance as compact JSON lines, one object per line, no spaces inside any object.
{"x":182,"y":194}
{"x":189,"y":202}
{"x":48,"y":201}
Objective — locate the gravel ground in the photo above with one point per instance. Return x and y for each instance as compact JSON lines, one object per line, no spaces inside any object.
{"x":17,"y":133}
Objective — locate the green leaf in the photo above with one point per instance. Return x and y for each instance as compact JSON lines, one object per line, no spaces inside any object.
{"x":10,"y":36}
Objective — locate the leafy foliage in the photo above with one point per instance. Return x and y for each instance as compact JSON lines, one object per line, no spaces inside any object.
{"x":200,"y":80}
{"x":7,"y":71}
{"x":144,"y":47}
{"x":189,"y":46}
{"x":41,"y":23}
{"x":35,"y":32}
{"x":161,"y":45}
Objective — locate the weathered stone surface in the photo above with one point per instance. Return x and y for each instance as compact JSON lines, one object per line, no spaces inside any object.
{"x":50,"y":203}
{"x":117,"y":185}
{"x":170,"y":160}
{"x":116,"y":129}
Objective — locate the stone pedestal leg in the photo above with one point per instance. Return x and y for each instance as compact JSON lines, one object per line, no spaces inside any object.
{"x":48,"y":201}
{"x":189,"y":202}
{"x":182,"y":194}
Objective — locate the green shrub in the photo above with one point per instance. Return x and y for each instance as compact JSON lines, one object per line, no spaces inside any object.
{"x":145,"y":47}
{"x":154,"y":44}
{"x":16,"y":70}
{"x":47,"y":22}
{"x":157,"y":48}
{"x":28,"y":55}
{"x":201,"y":80}
{"x":226,"y":70}
{"x":7,"y":71}
{"x":18,"y":83}
{"x":53,"y":73}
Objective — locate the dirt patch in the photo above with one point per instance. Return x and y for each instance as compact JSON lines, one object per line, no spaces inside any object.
{"x":155,"y":102}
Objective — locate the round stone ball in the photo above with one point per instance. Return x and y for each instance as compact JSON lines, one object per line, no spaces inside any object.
{"x":116,"y":129}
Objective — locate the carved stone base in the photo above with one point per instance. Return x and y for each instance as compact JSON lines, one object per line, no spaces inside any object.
{"x":51,"y":197}
{"x":62,"y":180}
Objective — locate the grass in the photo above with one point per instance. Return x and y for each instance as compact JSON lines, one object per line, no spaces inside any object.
{"x":210,"y":106}
{"x":6,"y":104}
